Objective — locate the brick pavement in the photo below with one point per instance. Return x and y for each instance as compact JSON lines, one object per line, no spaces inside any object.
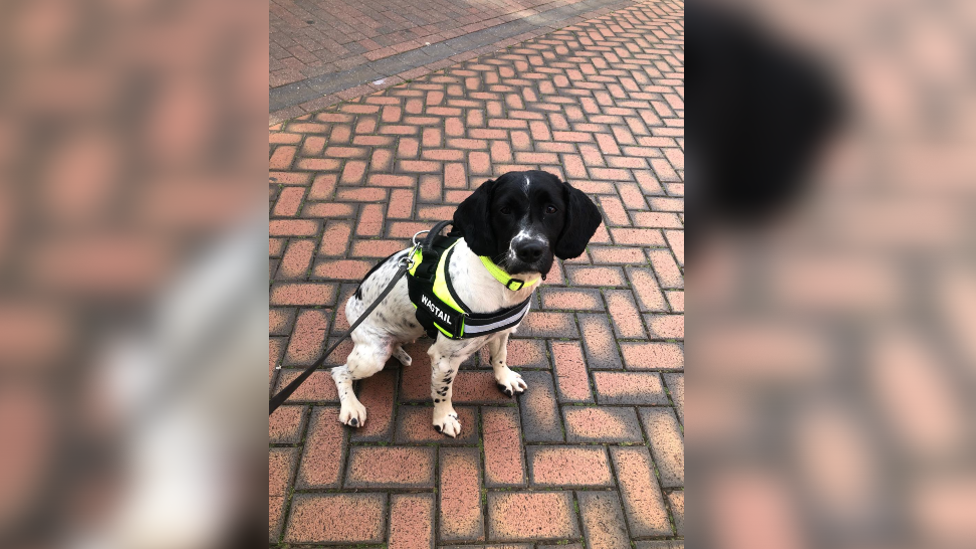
{"x":322,"y":54}
{"x":593,"y":452}
{"x":311,"y":38}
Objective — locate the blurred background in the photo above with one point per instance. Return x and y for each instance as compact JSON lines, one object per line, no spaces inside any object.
{"x":832,"y":281}
{"x":832,"y":278}
{"x":132,"y":280}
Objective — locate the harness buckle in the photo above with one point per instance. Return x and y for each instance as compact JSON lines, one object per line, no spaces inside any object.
{"x":521,"y":284}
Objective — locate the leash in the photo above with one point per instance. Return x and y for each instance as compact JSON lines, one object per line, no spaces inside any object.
{"x":405,"y":264}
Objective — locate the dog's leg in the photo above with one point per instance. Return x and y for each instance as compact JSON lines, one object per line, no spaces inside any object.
{"x":443,"y":369}
{"x":365,"y":360}
{"x":402,"y":356}
{"x":509,"y":382}
{"x":351,"y":412}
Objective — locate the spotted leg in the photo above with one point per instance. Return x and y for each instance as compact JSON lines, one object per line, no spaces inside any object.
{"x":509,"y":382}
{"x":365,"y":360}
{"x":442,"y":373}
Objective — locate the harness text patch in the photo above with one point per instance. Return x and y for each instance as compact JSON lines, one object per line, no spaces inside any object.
{"x":435,"y":310}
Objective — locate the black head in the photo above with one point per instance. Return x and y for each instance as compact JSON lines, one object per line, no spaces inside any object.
{"x":522,"y":219}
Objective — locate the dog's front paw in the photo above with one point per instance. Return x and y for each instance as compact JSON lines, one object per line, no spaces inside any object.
{"x":353,"y":414}
{"x":510,"y":382}
{"x":446,"y":421}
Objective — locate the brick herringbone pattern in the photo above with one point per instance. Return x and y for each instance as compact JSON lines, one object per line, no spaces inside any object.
{"x":310,"y":38}
{"x":594,"y":449}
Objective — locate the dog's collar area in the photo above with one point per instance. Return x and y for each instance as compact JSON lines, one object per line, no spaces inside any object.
{"x":438,"y":306}
{"x":510,"y":282}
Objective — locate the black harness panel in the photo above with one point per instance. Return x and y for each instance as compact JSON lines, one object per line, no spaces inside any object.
{"x":438,"y":316}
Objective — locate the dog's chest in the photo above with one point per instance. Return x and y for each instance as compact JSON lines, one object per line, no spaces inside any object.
{"x":396,"y":316}
{"x":477,"y":287}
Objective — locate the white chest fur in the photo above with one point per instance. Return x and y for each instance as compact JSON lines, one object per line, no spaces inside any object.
{"x":477,"y":288}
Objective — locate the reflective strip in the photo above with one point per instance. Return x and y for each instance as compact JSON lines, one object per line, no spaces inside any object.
{"x":502,"y":315}
{"x":512,"y":320}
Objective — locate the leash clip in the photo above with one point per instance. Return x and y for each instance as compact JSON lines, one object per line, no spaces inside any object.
{"x":407,"y":261}
{"x":418,"y":233}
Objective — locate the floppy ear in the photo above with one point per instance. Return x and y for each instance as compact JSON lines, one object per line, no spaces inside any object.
{"x":582,"y":219}
{"x":471,"y":218}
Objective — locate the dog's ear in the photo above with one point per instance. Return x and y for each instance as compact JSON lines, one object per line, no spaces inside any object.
{"x":471,"y":218}
{"x":582,"y":219}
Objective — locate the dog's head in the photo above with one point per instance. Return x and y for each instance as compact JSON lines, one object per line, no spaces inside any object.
{"x":522,"y":219}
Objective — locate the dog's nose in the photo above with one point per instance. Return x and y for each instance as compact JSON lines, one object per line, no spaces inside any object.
{"x":530,"y":252}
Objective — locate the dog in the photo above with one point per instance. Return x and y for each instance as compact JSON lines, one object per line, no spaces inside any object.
{"x":521,"y":221}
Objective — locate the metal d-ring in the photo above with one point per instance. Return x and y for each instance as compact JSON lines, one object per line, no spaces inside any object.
{"x":418,"y":233}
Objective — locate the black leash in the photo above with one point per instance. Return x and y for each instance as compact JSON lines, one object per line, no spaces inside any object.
{"x":405,"y":263}
{"x":287,"y":391}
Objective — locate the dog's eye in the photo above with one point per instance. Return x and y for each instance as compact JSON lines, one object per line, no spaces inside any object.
{"x":550,"y":209}
{"x":506,"y":210}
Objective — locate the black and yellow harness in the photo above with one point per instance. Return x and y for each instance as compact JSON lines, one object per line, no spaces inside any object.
{"x":439,"y":309}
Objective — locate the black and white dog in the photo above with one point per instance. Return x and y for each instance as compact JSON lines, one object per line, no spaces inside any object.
{"x":521,"y":221}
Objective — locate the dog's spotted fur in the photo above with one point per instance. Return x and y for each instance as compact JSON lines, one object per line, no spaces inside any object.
{"x":521,"y":220}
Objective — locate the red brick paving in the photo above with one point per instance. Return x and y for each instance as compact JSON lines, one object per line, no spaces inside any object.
{"x":390,"y":467}
{"x":598,"y":342}
{"x":323,"y":452}
{"x":540,"y":410}
{"x":629,"y":388}
{"x":640,"y":491}
{"x":310,"y":40}
{"x":319,"y":387}
{"x":643,"y":355}
{"x":411,"y":521}
{"x":461,"y":515}
{"x":667,"y":445}
{"x":285,"y":425}
{"x":602,"y":520}
{"x":531,"y":515}
{"x":663,"y":544}
{"x":569,"y":466}
{"x":336,"y":518}
{"x":527,"y":353}
{"x":504,"y":463}
{"x":281,"y":464}
{"x":676,"y":500}
{"x":601,"y":424}
{"x":598,"y":102}
{"x":572,"y":379}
